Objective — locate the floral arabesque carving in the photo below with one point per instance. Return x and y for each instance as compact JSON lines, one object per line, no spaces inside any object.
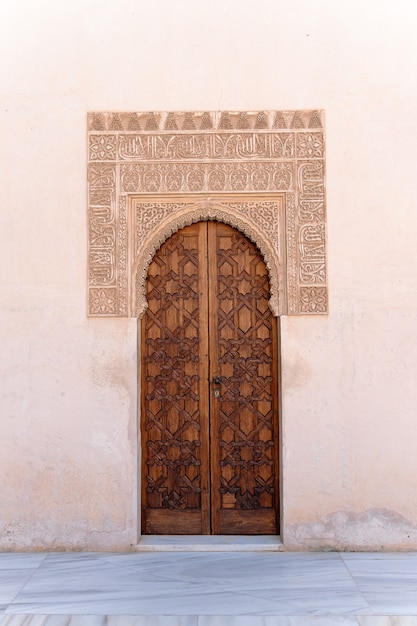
{"x":175,"y":155}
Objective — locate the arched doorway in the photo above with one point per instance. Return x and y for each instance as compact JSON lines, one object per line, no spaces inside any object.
{"x":209,"y":387}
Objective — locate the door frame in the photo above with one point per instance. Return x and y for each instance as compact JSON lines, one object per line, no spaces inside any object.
{"x":277,"y":367}
{"x":198,"y":157}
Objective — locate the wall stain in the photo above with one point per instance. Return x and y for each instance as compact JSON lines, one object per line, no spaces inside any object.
{"x":376,"y":529}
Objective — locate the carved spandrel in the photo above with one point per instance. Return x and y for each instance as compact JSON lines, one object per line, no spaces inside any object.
{"x":149,"y":215}
{"x":265,"y":214}
{"x":235,"y":214}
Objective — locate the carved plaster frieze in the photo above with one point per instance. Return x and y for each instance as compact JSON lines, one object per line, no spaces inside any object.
{"x":153,"y":173}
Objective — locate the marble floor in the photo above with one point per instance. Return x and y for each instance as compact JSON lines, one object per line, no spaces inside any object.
{"x":201,"y":588}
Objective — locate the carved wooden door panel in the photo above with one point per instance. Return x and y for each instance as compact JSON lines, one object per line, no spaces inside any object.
{"x":209,"y":388}
{"x":175,"y":404}
{"x":244,"y":424}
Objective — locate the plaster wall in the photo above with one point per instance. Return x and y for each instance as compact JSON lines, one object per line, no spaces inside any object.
{"x":68,"y":383}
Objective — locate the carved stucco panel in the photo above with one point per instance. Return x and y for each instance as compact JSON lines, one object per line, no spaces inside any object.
{"x":160,"y":160}
{"x":260,"y":219}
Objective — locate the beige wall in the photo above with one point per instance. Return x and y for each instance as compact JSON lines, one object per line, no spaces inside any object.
{"x":68,"y":434}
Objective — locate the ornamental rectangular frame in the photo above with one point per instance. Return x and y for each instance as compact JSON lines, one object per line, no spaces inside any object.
{"x":218,"y":157}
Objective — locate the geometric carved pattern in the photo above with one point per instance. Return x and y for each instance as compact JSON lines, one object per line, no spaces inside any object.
{"x":176,"y":154}
{"x":172,"y":382}
{"x":244,"y":346}
{"x":209,"y":387}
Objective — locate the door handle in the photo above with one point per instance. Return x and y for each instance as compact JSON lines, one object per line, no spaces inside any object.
{"x":217,"y":380}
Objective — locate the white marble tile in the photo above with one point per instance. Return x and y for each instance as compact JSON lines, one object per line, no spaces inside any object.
{"x":98,"y":620}
{"x":315,"y":602}
{"x":12,"y":582}
{"x":151,"y":566}
{"x":209,"y":543}
{"x":174,"y":620}
{"x":282,"y":620}
{"x":33,"y":620}
{"x":62,"y":561}
{"x":174,"y":599}
{"x":167,"y":602}
{"x":388,"y":583}
{"x":15,"y":571}
{"x":188,"y":583}
{"x":232,"y":569}
{"x":225,"y":586}
{"x":379,"y":566}
{"x":378,"y":556}
{"x":235,"y":568}
{"x":21,"y":560}
{"x":387,"y":620}
{"x":151,"y":620}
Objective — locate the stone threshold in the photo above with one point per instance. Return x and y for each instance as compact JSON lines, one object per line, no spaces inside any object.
{"x":210,"y":543}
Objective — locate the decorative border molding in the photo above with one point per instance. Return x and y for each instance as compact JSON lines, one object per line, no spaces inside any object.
{"x":152,"y":173}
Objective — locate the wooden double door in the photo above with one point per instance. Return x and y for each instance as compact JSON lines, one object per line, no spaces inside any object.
{"x":209,"y":388}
